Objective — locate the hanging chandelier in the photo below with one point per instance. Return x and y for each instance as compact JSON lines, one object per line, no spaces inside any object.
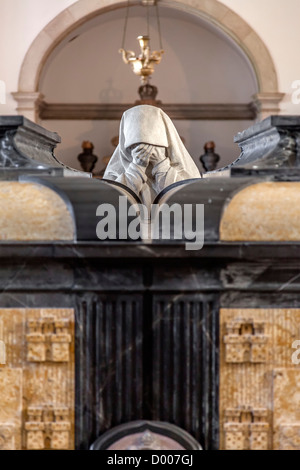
{"x":143,"y":64}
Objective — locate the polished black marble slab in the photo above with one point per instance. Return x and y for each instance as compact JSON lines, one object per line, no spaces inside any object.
{"x":147,"y":340}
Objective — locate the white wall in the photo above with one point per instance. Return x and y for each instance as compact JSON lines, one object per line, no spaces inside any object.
{"x":21,"y":21}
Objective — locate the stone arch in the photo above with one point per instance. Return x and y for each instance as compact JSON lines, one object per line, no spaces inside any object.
{"x":28,"y":96}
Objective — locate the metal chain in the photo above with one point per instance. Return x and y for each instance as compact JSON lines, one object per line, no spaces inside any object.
{"x":158,"y":25}
{"x":148,"y":31}
{"x":125,"y":25}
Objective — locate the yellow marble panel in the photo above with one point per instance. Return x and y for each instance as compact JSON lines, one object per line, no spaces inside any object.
{"x":31,"y":211}
{"x":37,"y":391}
{"x":267,"y":211}
{"x":259,"y":395}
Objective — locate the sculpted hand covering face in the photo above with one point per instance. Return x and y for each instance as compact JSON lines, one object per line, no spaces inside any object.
{"x":168,"y":160}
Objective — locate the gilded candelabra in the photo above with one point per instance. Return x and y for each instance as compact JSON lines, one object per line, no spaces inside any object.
{"x":143,"y":65}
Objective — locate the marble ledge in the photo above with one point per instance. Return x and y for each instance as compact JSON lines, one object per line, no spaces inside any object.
{"x":247,"y":251}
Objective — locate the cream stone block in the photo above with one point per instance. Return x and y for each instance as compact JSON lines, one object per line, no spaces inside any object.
{"x":234,"y":23}
{"x":267,"y":104}
{"x":30,"y":211}
{"x":262,"y":62}
{"x":56,"y":27}
{"x":28,"y":104}
{"x":263,"y":212}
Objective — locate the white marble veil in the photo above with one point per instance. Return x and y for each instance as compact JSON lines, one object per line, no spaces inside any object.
{"x":150,"y":125}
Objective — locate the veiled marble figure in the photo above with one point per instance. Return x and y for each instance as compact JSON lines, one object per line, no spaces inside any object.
{"x":150,"y":155}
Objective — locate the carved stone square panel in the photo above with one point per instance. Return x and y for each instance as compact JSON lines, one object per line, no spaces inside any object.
{"x":259,"y":382}
{"x":37,"y":379}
